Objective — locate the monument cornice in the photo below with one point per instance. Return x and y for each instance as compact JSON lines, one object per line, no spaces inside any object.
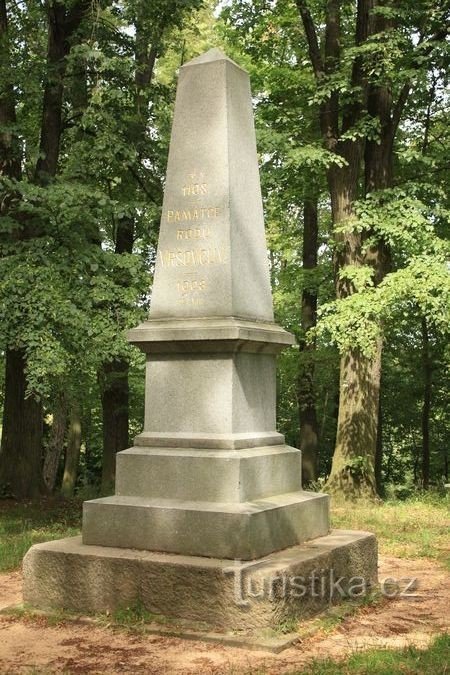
{"x":209,"y":334}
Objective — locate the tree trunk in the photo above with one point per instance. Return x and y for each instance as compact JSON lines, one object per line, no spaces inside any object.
{"x":72,"y":453}
{"x":21,"y":449}
{"x":56,"y":442}
{"x":426,"y":406}
{"x":353,"y":470}
{"x":114,"y":384}
{"x":10,"y":151}
{"x":353,"y":464}
{"x":63,"y":24}
{"x":379,"y":451}
{"x":114,"y":388}
{"x":353,"y":467}
{"x":309,"y":428}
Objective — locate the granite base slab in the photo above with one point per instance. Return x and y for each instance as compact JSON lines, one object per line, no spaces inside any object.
{"x":297,"y":582}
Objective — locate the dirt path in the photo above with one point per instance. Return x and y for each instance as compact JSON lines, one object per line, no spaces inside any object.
{"x":30,"y":645}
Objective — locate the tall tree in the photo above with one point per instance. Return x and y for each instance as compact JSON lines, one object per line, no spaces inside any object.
{"x":21,"y":448}
{"x":361,"y":108}
{"x":309,"y":428}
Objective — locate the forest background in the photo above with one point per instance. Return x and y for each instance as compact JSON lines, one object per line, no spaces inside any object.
{"x":351,"y":105}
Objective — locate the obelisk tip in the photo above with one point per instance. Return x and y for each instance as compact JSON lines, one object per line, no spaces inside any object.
{"x":210,"y":56}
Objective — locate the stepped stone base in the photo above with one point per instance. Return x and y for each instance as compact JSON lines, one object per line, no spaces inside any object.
{"x":208,"y":475}
{"x":244,"y":531}
{"x":294,"y":583}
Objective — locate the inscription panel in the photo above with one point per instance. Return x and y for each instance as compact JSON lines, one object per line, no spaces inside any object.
{"x":193,"y":239}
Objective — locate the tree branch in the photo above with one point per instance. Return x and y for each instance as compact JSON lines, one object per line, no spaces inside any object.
{"x":353,"y":111}
{"x":311,"y":37}
{"x":151,"y":195}
{"x":332,"y":54}
{"x":399,"y":106}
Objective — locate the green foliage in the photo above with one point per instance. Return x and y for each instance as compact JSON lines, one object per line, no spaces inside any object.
{"x":419,"y":286}
{"x":412,"y":217}
{"x":66,"y":296}
{"x":409,"y":660}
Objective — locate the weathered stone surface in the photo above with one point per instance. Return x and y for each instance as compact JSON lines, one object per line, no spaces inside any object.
{"x":208,"y":475}
{"x":230,"y":441}
{"x":245,"y":530}
{"x":66,"y":574}
{"x":209,"y":334}
{"x":213,"y":394}
{"x":211,"y":340}
{"x":212,"y":256}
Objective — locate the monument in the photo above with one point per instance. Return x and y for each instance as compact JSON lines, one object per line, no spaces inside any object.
{"x":210,"y":497}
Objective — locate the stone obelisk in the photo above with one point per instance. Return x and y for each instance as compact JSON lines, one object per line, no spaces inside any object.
{"x":210,"y":475}
{"x":209,"y":479}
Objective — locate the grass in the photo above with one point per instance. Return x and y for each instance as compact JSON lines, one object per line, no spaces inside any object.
{"x":409,"y":661}
{"x":415,"y":528}
{"x":23,"y":524}
{"x":135,"y":617}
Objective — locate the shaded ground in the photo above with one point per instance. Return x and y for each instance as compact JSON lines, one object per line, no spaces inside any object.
{"x":31,"y":645}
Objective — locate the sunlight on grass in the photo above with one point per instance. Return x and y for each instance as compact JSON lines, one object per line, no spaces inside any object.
{"x":410,"y":660}
{"x":416,"y":528}
{"x":26,"y":523}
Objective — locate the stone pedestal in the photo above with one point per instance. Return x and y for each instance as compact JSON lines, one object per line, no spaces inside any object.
{"x":294,"y":583}
{"x":209,"y":482}
{"x":209,"y":475}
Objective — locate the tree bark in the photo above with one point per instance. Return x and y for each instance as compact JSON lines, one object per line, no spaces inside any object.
{"x":114,"y":388}
{"x":379,"y":451}
{"x":426,"y":406}
{"x":353,"y":468}
{"x":309,"y":428}
{"x":114,"y":385}
{"x":56,"y":442}
{"x":21,"y":450}
{"x":10,"y":150}
{"x":63,"y":24}
{"x":73,"y":453}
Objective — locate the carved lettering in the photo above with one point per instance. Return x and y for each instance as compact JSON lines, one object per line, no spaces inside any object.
{"x":194,"y":189}
{"x":192,"y":300}
{"x":191,"y":285}
{"x":197,"y":213}
{"x":194,"y":233}
{"x":193,"y":257}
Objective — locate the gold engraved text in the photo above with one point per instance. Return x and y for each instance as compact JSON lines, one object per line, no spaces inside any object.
{"x":194,"y":233}
{"x":200,"y":213}
{"x":193,"y":257}
{"x":194,"y":189}
{"x":191,"y":285}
